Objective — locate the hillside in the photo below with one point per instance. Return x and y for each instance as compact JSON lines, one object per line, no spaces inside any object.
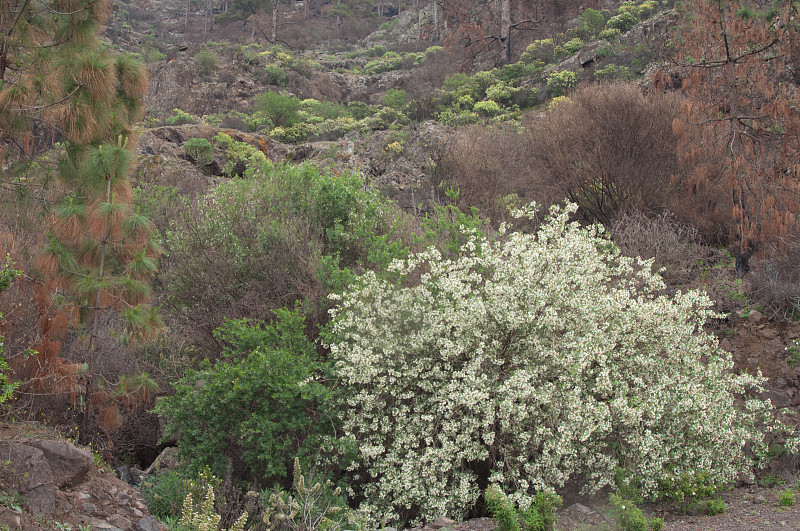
{"x":305,"y":238}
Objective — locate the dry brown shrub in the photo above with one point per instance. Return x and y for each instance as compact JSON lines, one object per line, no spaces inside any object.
{"x":674,"y":245}
{"x":486,"y":164}
{"x":610,"y":148}
{"x":775,"y":280}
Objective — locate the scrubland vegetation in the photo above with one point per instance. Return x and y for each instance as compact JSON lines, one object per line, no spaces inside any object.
{"x":325,"y":359}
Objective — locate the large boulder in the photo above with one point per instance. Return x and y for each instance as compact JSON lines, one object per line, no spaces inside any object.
{"x":29,"y":474}
{"x":68,"y":464}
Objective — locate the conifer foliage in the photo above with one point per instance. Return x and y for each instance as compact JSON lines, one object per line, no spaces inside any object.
{"x":62,"y":91}
{"x":739,"y":135}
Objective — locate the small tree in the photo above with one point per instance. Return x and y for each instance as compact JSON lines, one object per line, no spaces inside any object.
{"x":527,"y":363}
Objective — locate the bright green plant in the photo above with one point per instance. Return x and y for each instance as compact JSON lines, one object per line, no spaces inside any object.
{"x":200,"y":150}
{"x":715,"y":506}
{"x":538,"y":513}
{"x":613,"y":71}
{"x":180,"y":117}
{"x":164,"y":494}
{"x":280,"y":108}
{"x":627,"y":516}
{"x":396,"y":99}
{"x":688,"y":490}
{"x":263,"y":405}
{"x":561,"y":82}
{"x":623,"y":22}
{"x":655,"y":523}
{"x":787,"y":498}
{"x":529,"y":357}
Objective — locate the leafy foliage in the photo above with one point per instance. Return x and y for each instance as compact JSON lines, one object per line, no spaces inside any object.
{"x":259,"y":406}
{"x":539,"y":515}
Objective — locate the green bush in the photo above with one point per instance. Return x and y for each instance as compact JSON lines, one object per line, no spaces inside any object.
{"x":622,"y":22}
{"x":206,"y":63}
{"x":541,"y":50}
{"x":561,"y":82}
{"x":520,"y":361}
{"x":277,"y":75}
{"x":200,"y":150}
{"x":610,"y":34}
{"x":613,"y":71}
{"x":262,"y":407}
{"x":279,"y":108}
{"x":590,"y":23}
{"x":283,"y":233}
{"x":396,"y":99}
{"x":538,"y":513}
{"x":627,"y":516}
{"x":164,"y":494}
{"x":7,"y":387}
{"x":180,"y":118}
{"x":715,"y":506}
{"x":787,"y":498}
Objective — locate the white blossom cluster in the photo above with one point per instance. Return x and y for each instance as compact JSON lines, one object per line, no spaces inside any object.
{"x":536,"y":359}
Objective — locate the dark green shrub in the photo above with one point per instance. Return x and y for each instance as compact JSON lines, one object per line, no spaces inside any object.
{"x":164,"y":494}
{"x":396,"y":99}
{"x":180,"y":118}
{"x":590,"y":23}
{"x":200,"y":150}
{"x":281,"y":109}
{"x":538,"y":516}
{"x":627,"y":516}
{"x":206,"y":63}
{"x":623,"y":22}
{"x":277,"y":75}
{"x":259,"y":407}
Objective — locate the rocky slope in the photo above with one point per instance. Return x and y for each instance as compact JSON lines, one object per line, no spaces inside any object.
{"x":47,"y":483}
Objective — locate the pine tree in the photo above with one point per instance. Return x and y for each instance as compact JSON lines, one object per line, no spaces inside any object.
{"x":64,"y":94}
{"x":740,"y":136}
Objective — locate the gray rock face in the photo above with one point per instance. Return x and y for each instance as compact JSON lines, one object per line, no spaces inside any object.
{"x":69,"y":464}
{"x":31,"y":476}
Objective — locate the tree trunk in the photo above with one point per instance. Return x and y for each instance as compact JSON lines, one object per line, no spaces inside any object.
{"x":274,"y":20}
{"x":435,"y":20}
{"x":505,"y":31}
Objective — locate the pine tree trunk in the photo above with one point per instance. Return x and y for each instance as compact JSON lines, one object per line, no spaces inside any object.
{"x":505,"y":30}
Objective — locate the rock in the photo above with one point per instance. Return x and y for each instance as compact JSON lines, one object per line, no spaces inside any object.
{"x":590,"y":51}
{"x":747,"y":478}
{"x":442,"y":521}
{"x":119,"y":521}
{"x":759,"y":499}
{"x":166,"y":460}
{"x":780,"y":383}
{"x":89,"y":508}
{"x":147,"y":523}
{"x":137,"y":513}
{"x":30,"y":476}
{"x":753,"y":362}
{"x":755,"y":317}
{"x":68,"y":463}
{"x":581,"y":509}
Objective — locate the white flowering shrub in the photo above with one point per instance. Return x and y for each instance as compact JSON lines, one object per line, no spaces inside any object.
{"x":530,"y":360}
